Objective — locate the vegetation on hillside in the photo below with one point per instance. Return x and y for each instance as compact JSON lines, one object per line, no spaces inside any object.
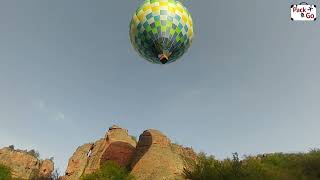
{"x":54,"y":176}
{"x":277,"y":166}
{"x":5,"y":173}
{"x":109,"y":171}
{"x":32,"y":152}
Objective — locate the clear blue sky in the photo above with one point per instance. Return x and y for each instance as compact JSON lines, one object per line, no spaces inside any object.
{"x":249,"y":83}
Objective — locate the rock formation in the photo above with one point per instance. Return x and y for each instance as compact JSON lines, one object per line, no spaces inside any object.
{"x":154,"y":157}
{"x":157,"y":158}
{"x":25,"y":166}
{"x":117,"y":146}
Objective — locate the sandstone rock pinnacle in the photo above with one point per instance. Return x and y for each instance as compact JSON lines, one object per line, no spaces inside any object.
{"x":157,"y":158}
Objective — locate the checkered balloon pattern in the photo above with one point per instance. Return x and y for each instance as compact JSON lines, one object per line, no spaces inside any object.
{"x":161,"y":27}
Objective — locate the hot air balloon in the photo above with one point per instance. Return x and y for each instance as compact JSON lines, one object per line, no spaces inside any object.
{"x":161,"y":31}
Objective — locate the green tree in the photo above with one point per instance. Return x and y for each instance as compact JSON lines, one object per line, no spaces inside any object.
{"x":206,"y":167}
{"x":11,"y":147}
{"x":109,"y":171}
{"x":34,"y":153}
{"x":5,"y":173}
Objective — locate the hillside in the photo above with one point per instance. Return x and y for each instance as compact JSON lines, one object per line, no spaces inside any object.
{"x":153,"y":157}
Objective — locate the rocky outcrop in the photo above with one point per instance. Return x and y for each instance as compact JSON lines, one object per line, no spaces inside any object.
{"x":23,"y":165}
{"x":157,"y":158}
{"x":117,"y":146}
{"x":78,"y":162}
{"x":154,"y":157}
{"x":46,"y":168}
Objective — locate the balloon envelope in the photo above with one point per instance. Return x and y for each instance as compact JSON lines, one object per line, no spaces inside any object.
{"x":161,"y":31}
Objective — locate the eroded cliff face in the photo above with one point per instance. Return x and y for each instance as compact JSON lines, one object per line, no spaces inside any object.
{"x":154,"y":157}
{"x":24,"y":165}
{"x":157,"y":158}
{"x":117,"y":146}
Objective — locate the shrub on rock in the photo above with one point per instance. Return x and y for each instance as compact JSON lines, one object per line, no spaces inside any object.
{"x":5,"y":173}
{"x":109,"y":171}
